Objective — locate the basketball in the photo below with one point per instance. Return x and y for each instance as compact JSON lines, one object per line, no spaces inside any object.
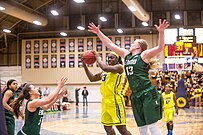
{"x":88,"y":57}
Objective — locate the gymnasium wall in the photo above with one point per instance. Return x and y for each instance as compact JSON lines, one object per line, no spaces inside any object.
{"x":39,"y":57}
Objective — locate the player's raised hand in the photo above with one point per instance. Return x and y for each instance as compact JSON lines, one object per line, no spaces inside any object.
{"x":93,"y":28}
{"x":162,"y":25}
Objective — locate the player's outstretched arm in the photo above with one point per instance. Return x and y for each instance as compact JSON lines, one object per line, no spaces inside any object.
{"x":154,"y":51}
{"x":95,"y":29}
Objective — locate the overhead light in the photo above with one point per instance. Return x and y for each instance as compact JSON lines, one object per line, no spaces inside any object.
{"x":7,"y":30}
{"x":81,"y":28}
{"x":37,"y":22}
{"x":119,"y":30}
{"x":145,"y":24}
{"x":2,"y":8}
{"x":136,"y":8}
{"x":132,"y":8}
{"x":177,"y":16}
{"x":27,"y":14}
{"x":103,"y":19}
{"x":63,"y":34}
{"x":54,"y":12}
{"x":79,"y":1}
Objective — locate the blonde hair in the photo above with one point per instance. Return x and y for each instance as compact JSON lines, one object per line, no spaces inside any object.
{"x":143,"y":44}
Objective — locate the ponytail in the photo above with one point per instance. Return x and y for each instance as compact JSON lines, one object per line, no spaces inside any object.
{"x":16,"y":105}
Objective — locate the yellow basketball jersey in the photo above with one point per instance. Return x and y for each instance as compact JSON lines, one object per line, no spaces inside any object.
{"x":111,"y":84}
{"x":198,"y":92}
{"x":168,"y":100}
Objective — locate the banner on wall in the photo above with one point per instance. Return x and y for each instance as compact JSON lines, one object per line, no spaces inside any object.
{"x":53,"y":46}
{"x":71,"y":60}
{"x":28,"y":47}
{"x":79,"y":61}
{"x":71,"y":45}
{"x":62,"y":45}
{"x":28,"y":61}
{"x":62,"y":60}
{"x":118,"y":41}
{"x":53,"y":61}
{"x":200,"y":50}
{"x":36,"y":46}
{"x":36,"y":61}
{"x":99,"y":45}
{"x":45,"y":61}
{"x":45,"y":46}
{"x":89,"y":43}
{"x":80,"y":45}
{"x":127,"y":42}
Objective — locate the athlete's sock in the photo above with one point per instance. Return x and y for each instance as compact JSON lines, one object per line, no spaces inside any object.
{"x":154,"y":129}
{"x":143,"y":130}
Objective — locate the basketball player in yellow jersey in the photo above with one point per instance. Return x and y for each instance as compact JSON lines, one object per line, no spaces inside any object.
{"x":113,"y":111}
{"x":169,"y":101}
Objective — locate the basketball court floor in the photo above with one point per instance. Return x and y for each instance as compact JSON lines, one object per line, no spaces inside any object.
{"x":86,"y":121}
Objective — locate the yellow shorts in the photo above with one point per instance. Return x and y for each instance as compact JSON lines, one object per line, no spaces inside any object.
{"x":113,"y":111}
{"x":168,"y":114}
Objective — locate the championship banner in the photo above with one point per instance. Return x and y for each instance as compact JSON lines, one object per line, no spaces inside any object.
{"x":53,"y":46}
{"x":36,"y":61}
{"x":89,"y":43}
{"x":118,"y":41}
{"x":71,"y":60}
{"x":79,"y":61}
{"x":166,"y":51}
{"x":98,"y":45}
{"x":200,"y":50}
{"x":80,"y":45}
{"x":171,"y":50}
{"x":28,"y":61}
{"x":28,"y":47}
{"x":45,"y":61}
{"x":62,"y":45}
{"x":195,"y":50}
{"x":127,"y":42}
{"x":36,"y":46}
{"x":71,"y":45}
{"x":53,"y":61}
{"x":45,"y":46}
{"x":62,"y":60}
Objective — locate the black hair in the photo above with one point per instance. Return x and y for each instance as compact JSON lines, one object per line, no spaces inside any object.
{"x":9,"y":82}
{"x":18,"y":102}
{"x":119,"y":60}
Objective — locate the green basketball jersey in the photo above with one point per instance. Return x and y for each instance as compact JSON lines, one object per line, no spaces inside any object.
{"x":137,"y":72}
{"x":10,"y":100}
{"x":33,"y":121}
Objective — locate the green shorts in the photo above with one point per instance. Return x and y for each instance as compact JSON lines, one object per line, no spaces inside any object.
{"x":10,"y":124}
{"x":147,"y":108}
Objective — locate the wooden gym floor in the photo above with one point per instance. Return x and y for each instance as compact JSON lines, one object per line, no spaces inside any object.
{"x":86,"y":121}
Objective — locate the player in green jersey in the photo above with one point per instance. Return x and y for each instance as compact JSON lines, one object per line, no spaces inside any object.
{"x":145,"y":99}
{"x":8,"y":97}
{"x":35,"y":106}
{"x":113,"y":106}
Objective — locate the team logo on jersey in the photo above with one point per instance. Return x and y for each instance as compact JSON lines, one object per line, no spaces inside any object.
{"x":130,"y":62}
{"x":41,"y":112}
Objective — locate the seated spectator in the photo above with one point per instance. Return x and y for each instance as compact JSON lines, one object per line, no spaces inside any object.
{"x":65,"y":103}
